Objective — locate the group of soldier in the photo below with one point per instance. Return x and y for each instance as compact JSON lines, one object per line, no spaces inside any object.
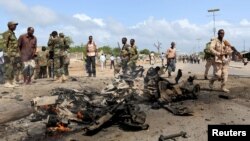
{"x":20,"y":56}
{"x":129,"y":56}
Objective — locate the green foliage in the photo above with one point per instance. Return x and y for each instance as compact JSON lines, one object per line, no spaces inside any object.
{"x":145,"y":51}
{"x":69,"y":40}
{"x":75,"y":49}
{"x":116,"y":51}
{"x":105,"y":49}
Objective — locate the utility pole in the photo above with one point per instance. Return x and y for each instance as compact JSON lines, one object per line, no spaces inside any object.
{"x":244,"y":45}
{"x":214,"y":10}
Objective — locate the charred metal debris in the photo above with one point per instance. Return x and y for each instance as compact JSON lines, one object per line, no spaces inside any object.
{"x":70,"y":110}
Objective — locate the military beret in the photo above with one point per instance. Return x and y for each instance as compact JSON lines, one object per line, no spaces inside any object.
{"x":12,"y":23}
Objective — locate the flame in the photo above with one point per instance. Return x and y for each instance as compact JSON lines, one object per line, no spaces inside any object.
{"x":60,"y":128}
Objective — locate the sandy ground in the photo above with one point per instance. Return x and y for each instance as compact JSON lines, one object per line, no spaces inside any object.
{"x":208,"y":108}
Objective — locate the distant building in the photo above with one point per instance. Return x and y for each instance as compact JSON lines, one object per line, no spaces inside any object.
{"x":246,"y":55}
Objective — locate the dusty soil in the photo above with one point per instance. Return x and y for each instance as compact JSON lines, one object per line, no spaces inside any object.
{"x":208,"y":108}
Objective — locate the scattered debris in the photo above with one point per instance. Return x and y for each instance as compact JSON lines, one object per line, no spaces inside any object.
{"x":177,"y":109}
{"x":181,"y":134}
{"x":223,"y":96}
{"x":157,"y":87}
{"x":4,"y":93}
{"x":68,"y":110}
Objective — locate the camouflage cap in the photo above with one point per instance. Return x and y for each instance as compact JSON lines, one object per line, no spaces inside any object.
{"x":61,"y":34}
{"x":12,"y":23}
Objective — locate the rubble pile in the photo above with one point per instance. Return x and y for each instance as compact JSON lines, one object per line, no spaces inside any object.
{"x":73,"y":110}
{"x":88,"y":110}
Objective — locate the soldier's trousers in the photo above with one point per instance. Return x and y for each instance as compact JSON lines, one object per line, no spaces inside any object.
{"x":43,"y":72}
{"x":209,"y":63}
{"x":66,"y":69}
{"x":58,"y":67}
{"x":11,"y":63}
{"x":124,"y":65}
{"x":221,"y":73}
{"x":1,"y":73}
{"x":132,"y":65}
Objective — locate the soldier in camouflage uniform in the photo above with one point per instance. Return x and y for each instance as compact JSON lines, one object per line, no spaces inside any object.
{"x":125,"y":55}
{"x":221,"y":49}
{"x":42,"y":60}
{"x":11,"y":54}
{"x":64,"y":60}
{"x":37,"y":67}
{"x":133,"y":55}
{"x":56,"y":46}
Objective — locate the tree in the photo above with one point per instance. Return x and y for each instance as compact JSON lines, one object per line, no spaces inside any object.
{"x":158,"y":46}
{"x":116,"y":51}
{"x":69,"y":40}
{"x":105,"y":49}
{"x":145,"y":51}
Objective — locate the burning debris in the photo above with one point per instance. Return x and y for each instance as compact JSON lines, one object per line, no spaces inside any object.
{"x":68,"y":110}
{"x":88,"y":110}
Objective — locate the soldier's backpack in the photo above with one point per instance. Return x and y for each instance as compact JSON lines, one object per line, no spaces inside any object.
{"x":207,"y":51}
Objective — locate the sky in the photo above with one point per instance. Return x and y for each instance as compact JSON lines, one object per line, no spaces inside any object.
{"x":186,"y":22}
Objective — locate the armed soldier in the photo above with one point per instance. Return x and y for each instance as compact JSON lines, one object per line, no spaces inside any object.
{"x":125,"y":55}
{"x":133,"y":55}
{"x":56,"y":48}
{"x":221,"y":53}
{"x":11,"y":54}
{"x":209,"y":57}
{"x":42,"y":61}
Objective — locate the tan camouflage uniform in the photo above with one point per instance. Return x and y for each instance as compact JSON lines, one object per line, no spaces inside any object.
{"x":222,"y":58}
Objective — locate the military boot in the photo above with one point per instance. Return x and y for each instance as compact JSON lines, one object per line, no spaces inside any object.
{"x":58,"y":79}
{"x":8,"y":84}
{"x":14,"y":82}
{"x":224,"y":89}
{"x":64,"y":77}
{"x":205,"y":77}
{"x":211,"y":84}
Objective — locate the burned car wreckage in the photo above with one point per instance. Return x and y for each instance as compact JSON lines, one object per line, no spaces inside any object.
{"x":87,"y":111}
